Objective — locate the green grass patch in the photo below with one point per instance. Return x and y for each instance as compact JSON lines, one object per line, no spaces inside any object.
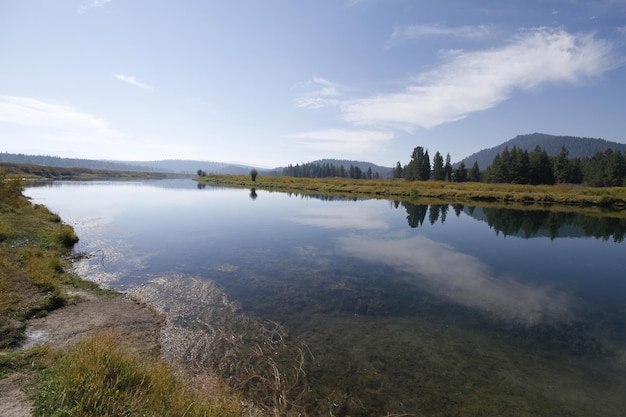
{"x":101,"y":377}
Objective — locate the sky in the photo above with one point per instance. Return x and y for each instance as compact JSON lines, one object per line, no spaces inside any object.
{"x":278,"y":82}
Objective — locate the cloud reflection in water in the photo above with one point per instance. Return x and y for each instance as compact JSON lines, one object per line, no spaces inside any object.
{"x":340,"y":217}
{"x":461,"y":278}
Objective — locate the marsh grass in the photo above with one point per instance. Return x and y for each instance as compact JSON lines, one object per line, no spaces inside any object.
{"x":101,"y":376}
{"x":540,"y":195}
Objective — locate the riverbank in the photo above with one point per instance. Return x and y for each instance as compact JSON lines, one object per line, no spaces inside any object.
{"x":613,"y":198}
{"x":70,"y":348}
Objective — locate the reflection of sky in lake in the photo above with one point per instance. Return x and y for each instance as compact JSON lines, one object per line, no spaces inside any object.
{"x":175,"y":227}
{"x":459,"y":277}
{"x":381,"y":293}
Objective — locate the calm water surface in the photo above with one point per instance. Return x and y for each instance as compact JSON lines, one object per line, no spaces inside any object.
{"x":395,"y":307}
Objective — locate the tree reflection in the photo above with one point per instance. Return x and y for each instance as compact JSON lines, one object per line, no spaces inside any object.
{"x":523,"y":223}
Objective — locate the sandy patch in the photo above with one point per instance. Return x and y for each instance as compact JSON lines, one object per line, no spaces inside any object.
{"x":138,"y":324}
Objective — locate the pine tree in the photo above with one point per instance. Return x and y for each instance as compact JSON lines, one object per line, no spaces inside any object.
{"x":561,"y":167}
{"x":424,"y":166}
{"x":439,"y":173}
{"x":461,"y":173}
{"x":474,"y":174}
{"x":397,"y":172}
{"x":448,"y":168}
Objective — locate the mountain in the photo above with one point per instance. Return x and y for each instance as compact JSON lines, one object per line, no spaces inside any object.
{"x":577,"y":147}
{"x":167,"y":166}
{"x":185,"y":166}
{"x":383,"y":172}
{"x":58,"y":162}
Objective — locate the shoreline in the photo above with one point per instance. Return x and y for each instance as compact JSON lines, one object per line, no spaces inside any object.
{"x":528,"y":196}
{"x":49,"y":317}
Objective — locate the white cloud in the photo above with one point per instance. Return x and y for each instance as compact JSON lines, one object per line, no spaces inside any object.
{"x":92,"y":4}
{"x":36,"y":126}
{"x":322,"y":93}
{"x":43,"y":127}
{"x":344,"y":140}
{"x":475,"y":81}
{"x":35,"y":113}
{"x":406,"y":33}
{"x":133,"y":81}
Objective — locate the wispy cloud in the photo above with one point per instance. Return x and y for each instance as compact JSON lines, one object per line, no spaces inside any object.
{"x":133,"y":81}
{"x":35,"y":113}
{"x":479,"y":80}
{"x":344,"y":140}
{"x":36,"y":126}
{"x":92,"y":4}
{"x":406,"y":33}
{"x":320,"y":93}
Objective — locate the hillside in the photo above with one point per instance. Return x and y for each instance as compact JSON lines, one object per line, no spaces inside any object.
{"x":577,"y":147}
{"x":382,"y":171}
{"x":58,"y":162}
{"x":166,"y":166}
{"x":184,"y":166}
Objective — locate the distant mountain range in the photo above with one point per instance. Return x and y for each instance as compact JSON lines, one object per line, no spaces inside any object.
{"x":577,"y":147}
{"x":168,"y":166}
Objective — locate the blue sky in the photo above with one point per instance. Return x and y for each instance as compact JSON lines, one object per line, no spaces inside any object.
{"x":268,"y":83}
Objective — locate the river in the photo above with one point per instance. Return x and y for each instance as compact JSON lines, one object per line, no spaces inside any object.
{"x":331,"y":306}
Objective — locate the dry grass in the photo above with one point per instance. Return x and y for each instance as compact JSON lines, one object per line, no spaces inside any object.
{"x":448,"y":192}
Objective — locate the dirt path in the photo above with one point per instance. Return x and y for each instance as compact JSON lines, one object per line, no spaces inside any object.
{"x":139,"y":325}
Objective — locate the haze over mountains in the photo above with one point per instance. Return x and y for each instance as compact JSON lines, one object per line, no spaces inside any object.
{"x":577,"y":147}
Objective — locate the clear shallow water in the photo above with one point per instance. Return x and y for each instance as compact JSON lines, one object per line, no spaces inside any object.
{"x":430,"y":310}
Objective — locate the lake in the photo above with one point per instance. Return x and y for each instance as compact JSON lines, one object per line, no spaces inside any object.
{"x":334,"y":306}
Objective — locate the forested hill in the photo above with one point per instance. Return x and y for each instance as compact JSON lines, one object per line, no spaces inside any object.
{"x":364,"y":166}
{"x":577,"y":147}
{"x":383,"y":172}
{"x":58,"y":162}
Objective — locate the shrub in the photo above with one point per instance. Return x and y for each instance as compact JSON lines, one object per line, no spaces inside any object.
{"x":66,"y":236}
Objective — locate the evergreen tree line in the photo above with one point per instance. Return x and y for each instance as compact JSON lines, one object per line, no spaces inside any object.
{"x":317,"y":170}
{"x":518,"y":166}
{"x":419,"y":168}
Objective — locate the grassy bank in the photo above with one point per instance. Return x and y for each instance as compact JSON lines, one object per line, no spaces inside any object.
{"x":448,"y":192}
{"x":97,"y":376}
{"x":33,"y":242}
